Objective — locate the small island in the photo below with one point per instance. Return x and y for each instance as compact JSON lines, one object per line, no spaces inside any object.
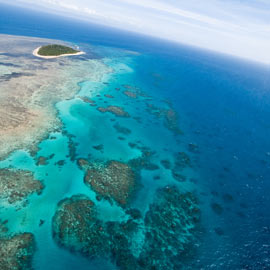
{"x":54,"y":51}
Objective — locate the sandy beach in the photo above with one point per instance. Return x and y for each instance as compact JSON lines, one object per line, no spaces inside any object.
{"x":35,"y":53}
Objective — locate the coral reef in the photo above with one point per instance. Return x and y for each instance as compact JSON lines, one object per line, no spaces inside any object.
{"x":194,"y":148}
{"x":16,"y":252}
{"x":171,"y":224}
{"x":144,"y":161}
{"x":166,"y":164}
{"x":99,"y":147}
{"x":3,"y":228}
{"x":60,"y":163}
{"x":182,"y":161}
{"x":113,"y":180}
{"x":133,"y":91}
{"x":71,"y":146}
{"x":44,"y":160}
{"x":227,"y":197}
{"x":163,"y":239}
{"x":171,"y":121}
{"x":16,"y":185}
{"x":116,"y":110}
{"x":217,"y":208}
{"x":76,"y":227}
{"x":88,"y":100}
{"x":178,"y":176}
{"x":108,"y":96}
{"x":41,"y":161}
{"x":121,"y":129}
{"x":130,"y":94}
{"x":169,"y":116}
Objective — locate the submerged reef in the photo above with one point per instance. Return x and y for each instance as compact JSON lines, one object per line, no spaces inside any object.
{"x":16,"y":185}
{"x":76,"y":227}
{"x":144,"y":161}
{"x":171,"y":224}
{"x":193,"y":148}
{"x":164,"y":239}
{"x":41,"y":161}
{"x":217,"y":208}
{"x":16,"y":252}
{"x":166,"y":163}
{"x":44,"y":160}
{"x":113,"y":180}
{"x":171,"y":121}
{"x":181,"y":161}
{"x":122,"y":129}
{"x":133,"y":91}
{"x":169,"y":115}
{"x":108,"y":96}
{"x":130,"y":94}
{"x":116,"y":110}
{"x":87,"y":100}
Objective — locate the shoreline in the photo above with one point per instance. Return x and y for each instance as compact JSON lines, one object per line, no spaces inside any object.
{"x":35,"y":53}
{"x":27,"y":104}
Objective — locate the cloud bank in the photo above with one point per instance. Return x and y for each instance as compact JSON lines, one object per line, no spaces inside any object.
{"x":236,"y":27}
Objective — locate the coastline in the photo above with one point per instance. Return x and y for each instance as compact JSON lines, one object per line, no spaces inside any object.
{"x":30,"y":91}
{"x":35,"y":53}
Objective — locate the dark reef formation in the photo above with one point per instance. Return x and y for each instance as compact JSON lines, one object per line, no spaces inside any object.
{"x":122,"y":129}
{"x":41,"y":161}
{"x":171,"y":224}
{"x":116,"y":110}
{"x":134,"y":92}
{"x":169,"y":116}
{"x":144,"y":161}
{"x":217,"y":208}
{"x":17,"y":185}
{"x":181,"y":161}
{"x":76,"y":227}
{"x":108,"y":96}
{"x":98,"y":147}
{"x":16,"y":252}
{"x":130,"y":94}
{"x":71,"y":146}
{"x":113,"y":180}
{"x":171,"y":121}
{"x":164,"y":239}
{"x":88,"y":100}
{"x":166,"y":164}
{"x":193,"y":148}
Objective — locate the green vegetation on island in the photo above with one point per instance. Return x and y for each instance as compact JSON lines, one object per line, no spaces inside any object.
{"x":55,"y":50}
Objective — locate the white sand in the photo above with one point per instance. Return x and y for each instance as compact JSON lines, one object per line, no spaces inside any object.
{"x":35,"y":53}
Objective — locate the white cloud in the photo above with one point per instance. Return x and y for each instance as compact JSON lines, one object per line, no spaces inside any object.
{"x":236,"y":27}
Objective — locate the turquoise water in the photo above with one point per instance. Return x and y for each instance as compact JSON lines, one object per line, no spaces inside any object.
{"x":223,"y":107}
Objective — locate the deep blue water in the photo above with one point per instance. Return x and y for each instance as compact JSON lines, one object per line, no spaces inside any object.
{"x":224,"y":107}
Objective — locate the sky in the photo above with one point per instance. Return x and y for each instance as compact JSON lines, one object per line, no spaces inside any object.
{"x":236,"y":27}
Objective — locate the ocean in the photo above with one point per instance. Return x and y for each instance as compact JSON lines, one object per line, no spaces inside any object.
{"x":190,"y":119}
